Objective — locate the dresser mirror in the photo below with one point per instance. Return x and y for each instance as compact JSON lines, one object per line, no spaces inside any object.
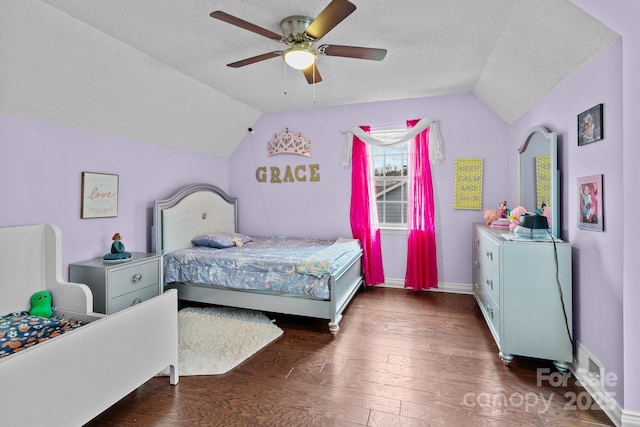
{"x":538,"y":173}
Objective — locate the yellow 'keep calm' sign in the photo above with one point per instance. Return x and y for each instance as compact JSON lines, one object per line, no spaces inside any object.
{"x":467,"y":193}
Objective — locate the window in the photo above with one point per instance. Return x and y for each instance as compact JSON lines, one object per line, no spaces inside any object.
{"x":390,"y":167}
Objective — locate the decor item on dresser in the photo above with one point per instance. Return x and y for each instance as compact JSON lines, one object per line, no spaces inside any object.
{"x":490,"y":215}
{"x":99,"y":198}
{"x":120,"y":283}
{"x":289,"y":275}
{"x":93,"y":365}
{"x":591,"y":125}
{"x":498,"y":218}
{"x":524,"y":290}
{"x":590,"y":203}
{"x":514,"y":217}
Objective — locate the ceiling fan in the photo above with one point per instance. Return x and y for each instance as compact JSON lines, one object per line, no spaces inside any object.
{"x":300,"y":33}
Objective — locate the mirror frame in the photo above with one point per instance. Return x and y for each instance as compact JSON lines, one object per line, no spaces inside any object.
{"x":552,"y":139}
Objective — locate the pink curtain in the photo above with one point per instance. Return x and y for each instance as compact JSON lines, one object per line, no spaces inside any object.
{"x":422,"y":269}
{"x":364,"y":219}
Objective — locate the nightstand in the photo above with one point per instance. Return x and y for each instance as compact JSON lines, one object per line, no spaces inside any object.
{"x":116,"y":286}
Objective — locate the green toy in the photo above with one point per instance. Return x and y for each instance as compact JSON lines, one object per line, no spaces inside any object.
{"x":41,"y":304}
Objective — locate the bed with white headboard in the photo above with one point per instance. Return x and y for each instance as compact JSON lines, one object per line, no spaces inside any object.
{"x":69,"y":379}
{"x":200,"y":209}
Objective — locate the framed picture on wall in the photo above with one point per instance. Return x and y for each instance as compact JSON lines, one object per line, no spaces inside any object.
{"x":99,"y":195}
{"x":590,"y":125}
{"x":590,"y":203}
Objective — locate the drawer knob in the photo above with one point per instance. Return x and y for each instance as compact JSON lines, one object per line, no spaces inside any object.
{"x":136,"y":278}
{"x":136,"y":301}
{"x":490,"y":255}
{"x":490,"y":311}
{"x":490,"y":283}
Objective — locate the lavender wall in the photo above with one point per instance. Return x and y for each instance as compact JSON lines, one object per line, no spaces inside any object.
{"x":41,"y":165}
{"x":622,"y":16}
{"x":468,"y":127}
{"x":605,"y":264}
{"x":597,"y":257}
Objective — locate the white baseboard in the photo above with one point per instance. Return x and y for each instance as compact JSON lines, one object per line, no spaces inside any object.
{"x":592,"y":375}
{"x":454,"y":288}
{"x":630,"y":419}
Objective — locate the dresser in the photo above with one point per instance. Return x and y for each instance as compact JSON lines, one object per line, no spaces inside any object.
{"x":116,"y":286}
{"x":524,"y":289}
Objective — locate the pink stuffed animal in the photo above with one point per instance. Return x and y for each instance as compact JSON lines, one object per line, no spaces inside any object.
{"x":490,"y":215}
{"x":516,"y":213}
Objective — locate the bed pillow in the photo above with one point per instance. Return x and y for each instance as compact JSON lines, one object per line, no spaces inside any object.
{"x":221,"y":240}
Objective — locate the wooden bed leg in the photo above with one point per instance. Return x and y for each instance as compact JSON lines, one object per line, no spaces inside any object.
{"x":334,"y":328}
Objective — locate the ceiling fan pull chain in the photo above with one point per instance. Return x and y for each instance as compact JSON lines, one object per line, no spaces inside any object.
{"x":285,"y":79}
{"x":314,"y":83}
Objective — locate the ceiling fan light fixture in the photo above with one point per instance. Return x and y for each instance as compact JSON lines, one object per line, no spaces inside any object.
{"x":299,"y":57}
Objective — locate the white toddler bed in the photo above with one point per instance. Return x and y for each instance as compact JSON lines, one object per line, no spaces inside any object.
{"x":203,"y":208}
{"x":70,"y":379}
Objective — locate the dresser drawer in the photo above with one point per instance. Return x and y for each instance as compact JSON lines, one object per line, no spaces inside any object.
{"x":488,"y":249}
{"x":486,"y":274}
{"x":491,"y":312}
{"x":134,"y":277}
{"x":133,"y":298}
{"x":489,"y":278}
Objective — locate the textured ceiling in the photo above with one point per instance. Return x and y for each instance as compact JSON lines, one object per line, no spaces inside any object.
{"x":510,"y":53}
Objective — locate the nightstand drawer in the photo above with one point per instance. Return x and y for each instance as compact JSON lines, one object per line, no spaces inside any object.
{"x":134,"y":277}
{"x":133,"y":298}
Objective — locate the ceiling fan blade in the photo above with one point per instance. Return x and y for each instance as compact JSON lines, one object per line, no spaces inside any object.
{"x":255,"y":59}
{"x":230,"y":19}
{"x":353,"y":52}
{"x":332,"y":15}
{"x":312,"y":74}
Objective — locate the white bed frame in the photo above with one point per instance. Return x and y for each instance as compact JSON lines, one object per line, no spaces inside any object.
{"x":203,"y":208}
{"x":70,"y":379}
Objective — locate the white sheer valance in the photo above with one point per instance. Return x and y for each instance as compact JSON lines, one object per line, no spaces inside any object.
{"x":435,"y":141}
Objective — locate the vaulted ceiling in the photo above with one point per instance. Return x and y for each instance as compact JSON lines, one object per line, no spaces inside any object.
{"x":509,"y":53}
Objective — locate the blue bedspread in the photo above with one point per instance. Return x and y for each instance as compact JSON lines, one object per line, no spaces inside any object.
{"x":274,"y":263}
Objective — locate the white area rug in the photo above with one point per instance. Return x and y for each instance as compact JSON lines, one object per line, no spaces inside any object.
{"x":214,"y":340}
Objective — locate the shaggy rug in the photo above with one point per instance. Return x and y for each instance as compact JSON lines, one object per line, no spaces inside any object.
{"x":214,"y":340}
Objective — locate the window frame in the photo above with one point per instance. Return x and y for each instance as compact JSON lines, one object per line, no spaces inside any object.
{"x":378,"y":153}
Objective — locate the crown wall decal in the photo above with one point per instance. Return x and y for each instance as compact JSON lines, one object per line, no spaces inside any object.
{"x":289,"y":143}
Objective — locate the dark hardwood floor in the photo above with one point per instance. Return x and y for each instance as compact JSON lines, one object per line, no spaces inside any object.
{"x":402,"y":358}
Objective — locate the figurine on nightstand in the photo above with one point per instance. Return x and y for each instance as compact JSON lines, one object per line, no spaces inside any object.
{"x":117,"y":250}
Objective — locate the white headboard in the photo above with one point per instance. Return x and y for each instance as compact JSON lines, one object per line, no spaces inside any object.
{"x":195,"y":210}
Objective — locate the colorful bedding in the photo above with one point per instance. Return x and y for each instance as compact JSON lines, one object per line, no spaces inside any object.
{"x":291,"y":265}
{"x":19,"y":330}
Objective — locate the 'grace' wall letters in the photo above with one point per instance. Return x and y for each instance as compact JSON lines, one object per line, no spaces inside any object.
{"x":291,"y":174}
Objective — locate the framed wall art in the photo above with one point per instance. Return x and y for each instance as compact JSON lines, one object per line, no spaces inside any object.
{"x":99,"y":195}
{"x":467,"y":189}
{"x":590,"y":203}
{"x":590,"y":125}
